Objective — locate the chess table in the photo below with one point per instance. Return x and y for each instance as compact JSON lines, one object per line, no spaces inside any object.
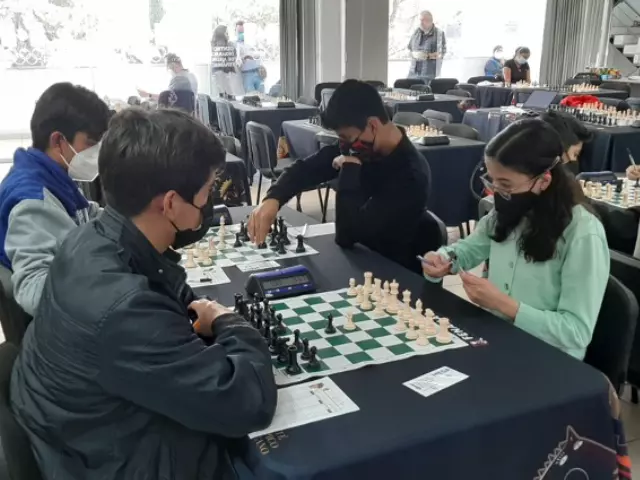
{"x":441,"y":103}
{"x":520,"y":391}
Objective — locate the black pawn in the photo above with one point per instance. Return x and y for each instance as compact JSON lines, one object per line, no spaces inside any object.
{"x":244,"y":232}
{"x":281,"y":250}
{"x":283,"y":351}
{"x":282,"y":329}
{"x":273,"y":346}
{"x":262,"y":246}
{"x":314,"y":363}
{"x":238,"y":242}
{"x":239,"y":303}
{"x":274,"y":229}
{"x":296,"y":339}
{"x":281,"y":224}
{"x":265,"y":305}
{"x":274,"y":239}
{"x":306,"y":354}
{"x":330,"y":328}
{"x":292,"y":367}
{"x":267,"y":334}
{"x":285,"y":235}
{"x":300,"y":248}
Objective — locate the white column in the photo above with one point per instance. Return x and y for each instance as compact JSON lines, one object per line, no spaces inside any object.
{"x":366,"y":39}
{"x":330,"y":40}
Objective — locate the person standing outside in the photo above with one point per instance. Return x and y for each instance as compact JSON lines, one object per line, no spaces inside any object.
{"x":428,"y":46}
{"x":253,"y":73}
{"x":223,"y":59}
{"x":181,"y":78}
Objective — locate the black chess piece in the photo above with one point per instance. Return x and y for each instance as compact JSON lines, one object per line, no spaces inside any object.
{"x":284,"y":235}
{"x":273,"y":346}
{"x":282,"y":329}
{"x":265,"y":306}
{"x":239,"y":303}
{"x":252,"y":317}
{"x":272,"y":312}
{"x":306,"y":354}
{"x":238,"y":242}
{"x":296,"y":339}
{"x":267,"y":333}
{"x":293,"y":368}
{"x":274,"y":239}
{"x":313,"y":363}
{"x":283,"y":350}
{"x":262,"y":246}
{"x":281,"y":250}
{"x":259,"y":320}
{"x":330,"y":328}
{"x":280,"y":224}
{"x":274,"y":229}
{"x":300,"y":248}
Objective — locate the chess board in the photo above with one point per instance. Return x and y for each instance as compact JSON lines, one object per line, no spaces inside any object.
{"x":616,"y":200}
{"x":248,"y":257}
{"x":375,"y":340}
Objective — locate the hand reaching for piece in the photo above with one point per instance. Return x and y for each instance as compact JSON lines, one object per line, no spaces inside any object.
{"x":261,"y":220}
{"x":207,"y":312}
{"x":633,"y":172}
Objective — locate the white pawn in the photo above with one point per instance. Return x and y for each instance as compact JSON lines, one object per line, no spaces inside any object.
{"x":352,"y":292}
{"x":385,"y":286}
{"x":203,"y":257}
{"x":379,"y":310}
{"x":419,"y":307}
{"x":423,"y":341}
{"x":190,"y":263}
{"x":412,"y":334}
{"x":377,"y":290}
{"x":444,"y":335}
{"x":430,"y":326}
{"x":406,"y":298}
{"x":400,"y":325}
{"x":359,"y":295}
{"x":349,"y":325}
{"x":366,"y":300}
{"x":213,"y":251}
{"x":384,"y":302}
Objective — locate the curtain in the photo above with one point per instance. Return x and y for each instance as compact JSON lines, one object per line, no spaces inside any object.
{"x":297,"y":47}
{"x":571,"y":41}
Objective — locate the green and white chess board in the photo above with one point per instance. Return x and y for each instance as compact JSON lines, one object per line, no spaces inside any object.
{"x":600,"y":194}
{"x":375,"y":340}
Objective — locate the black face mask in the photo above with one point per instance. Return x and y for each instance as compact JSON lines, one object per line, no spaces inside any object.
{"x":510,"y":212}
{"x":187,"y":237}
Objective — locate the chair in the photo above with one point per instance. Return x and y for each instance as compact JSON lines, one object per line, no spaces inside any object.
{"x":634,"y":103}
{"x":460,"y":130}
{"x":459,"y":92}
{"x":482,"y":78}
{"x":441,"y":85}
{"x":431,"y":234}
{"x":469,"y":87}
{"x":202,"y":110}
{"x":621,"y":105}
{"x":321,"y":86}
{"x":625,"y":87}
{"x":225,"y":118}
{"x":588,"y":77}
{"x":407,"y":83}
{"x":409,"y":119}
{"x":326,"y":95}
{"x":13,"y":318}
{"x":182,"y":99}
{"x":610,"y":347}
{"x":307,"y":101}
{"x":21,"y":462}
{"x":376,"y":83}
{"x":437,"y":119}
{"x":231,"y":145}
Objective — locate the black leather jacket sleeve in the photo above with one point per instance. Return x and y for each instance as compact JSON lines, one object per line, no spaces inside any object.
{"x":151,"y":356}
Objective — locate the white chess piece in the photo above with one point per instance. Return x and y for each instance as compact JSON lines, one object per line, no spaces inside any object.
{"x":377,"y":290}
{"x":430,"y":326}
{"x":444,"y":335}
{"x":349,"y":325}
{"x":423,"y":341}
{"x":190,"y":262}
{"x":392,"y":301}
{"x":359,"y":295}
{"x":352,"y":292}
{"x":368,"y":281}
{"x":400,"y":325}
{"x":412,"y":334}
{"x":384,"y":302}
{"x":419,"y":308}
{"x":379,"y":310}
{"x":203,"y":257}
{"x":213,"y":251}
{"x":385,"y":286}
{"x":366,"y":300}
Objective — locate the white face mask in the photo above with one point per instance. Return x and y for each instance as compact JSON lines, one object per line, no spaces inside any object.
{"x":499,"y":55}
{"x":84,"y":165}
{"x":521,"y":60}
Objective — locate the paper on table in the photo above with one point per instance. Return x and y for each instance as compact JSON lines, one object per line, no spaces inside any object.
{"x":206,"y":276}
{"x":255,"y":266}
{"x":433,"y":382}
{"x":308,"y":403}
{"x":314,"y":230}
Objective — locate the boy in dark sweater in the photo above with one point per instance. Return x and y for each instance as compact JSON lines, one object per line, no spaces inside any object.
{"x":383,"y":180}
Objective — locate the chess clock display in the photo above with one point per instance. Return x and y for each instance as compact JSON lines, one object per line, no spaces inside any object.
{"x":281,"y":283}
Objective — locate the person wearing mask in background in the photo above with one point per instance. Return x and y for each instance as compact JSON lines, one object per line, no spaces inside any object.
{"x":223,"y":60}
{"x":548,"y":253}
{"x":493,"y":67}
{"x":517,"y":69}
{"x":182,"y":80}
{"x":428,"y":46}
{"x":113,"y":381}
{"x":573,"y":135}
{"x":39,"y":201}
{"x":251,"y":69}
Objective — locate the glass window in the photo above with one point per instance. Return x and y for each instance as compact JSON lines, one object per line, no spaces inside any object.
{"x":472,"y":30}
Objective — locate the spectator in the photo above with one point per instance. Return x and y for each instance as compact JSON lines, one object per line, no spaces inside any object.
{"x":428,"y":46}
{"x":517,"y":69}
{"x":182,"y":80}
{"x":223,"y":59}
{"x":253,"y":73}
{"x":493,"y":67}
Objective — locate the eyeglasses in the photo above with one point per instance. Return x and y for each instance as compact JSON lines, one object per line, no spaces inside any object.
{"x":507,"y":192}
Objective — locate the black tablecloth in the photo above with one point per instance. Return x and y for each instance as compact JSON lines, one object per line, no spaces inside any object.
{"x":502,"y":422}
{"x":488,"y":121}
{"x":451,"y":169}
{"x":441,"y":103}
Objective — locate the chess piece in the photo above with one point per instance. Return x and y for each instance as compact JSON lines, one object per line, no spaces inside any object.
{"x":625,"y":198}
{"x":204,"y":259}
{"x":238,"y":303}
{"x":444,"y":335}
{"x":285,"y":235}
{"x":267,"y":333}
{"x":419,"y":307}
{"x":330,"y":329}
{"x":300,"y":247}
{"x":213,"y":251}
{"x":245,"y":232}
{"x":377,"y":290}
{"x":349,"y":325}
{"x":273,"y":346}
{"x":400,"y":325}
{"x":296,"y":339}
{"x":392,"y":300}
{"x":384,"y":303}
{"x":379,"y":310}
{"x":262,"y":246}
{"x":283,"y":350}
{"x":406,"y":298}
{"x":412,"y":334}
{"x":274,"y":239}
{"x":190,"y":262}
{"x":238,"y":242}
{"x":281,"y":250}
{"x":280,"y":326}
{"x":368,"y":280}
{"x":423,"y":341}
{"x":306,"y":354}
{"x":430,"y":326}
{"x":385,"y":286}
{"x":314,"y":363}
{"x":293,"y":368}
{"x":359,"y":295}
{"x":352,"y":292}
{"x":366,"y":300}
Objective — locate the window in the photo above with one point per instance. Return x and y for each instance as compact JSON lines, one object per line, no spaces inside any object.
{"x":472,"y":30}
{"x":117,"y":46}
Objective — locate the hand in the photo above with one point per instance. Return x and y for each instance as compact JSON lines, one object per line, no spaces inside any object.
{"x":143,"y":93}
{"x":342,"y":159}
{"x":419,"y":55}
{"x":485,"y":294}
{"x":433,"y":56}
{"x":261,"y":220}
{"x":633,"y":172}
{"x":207,"y":312}
{"x":435,"y":266}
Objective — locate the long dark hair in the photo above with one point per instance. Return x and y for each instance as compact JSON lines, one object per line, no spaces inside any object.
{"x":533,"y":147}
{"x":220,"y":37}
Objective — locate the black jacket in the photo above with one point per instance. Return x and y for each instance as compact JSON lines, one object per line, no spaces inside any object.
{"x":113,"y":383}
{"x":379,"y":204}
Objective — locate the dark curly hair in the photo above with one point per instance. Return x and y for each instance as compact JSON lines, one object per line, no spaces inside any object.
{"x":533,"y":147}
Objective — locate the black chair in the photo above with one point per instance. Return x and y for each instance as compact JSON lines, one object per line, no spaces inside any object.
{"x":483,"y":78}
{"x":326,"y":140}
{"x":13,"y":318}
{"x":442,"y":85}
{"x":634,"y":103}
{"x":409,"y":118}
{"x":431,"y":234}
{"x":325,"y":96}
{"x":621,"y":105}
{"x":407,"y":83}
{"x":225,"y":118}
{"x":610,"y":347}
{"x":231,"y":145}
{"x":588,"y":77}
{"x":182,"y":99}
{"x":574,"y":81}
{"x":307,"y":101}
{"x":437,"y":119}
{"x":317,"y":94}
{"x":460,"y":130}
{"x":459,"y":92}
{"x":625,"y":87}
{"x":469,"y":87}
{"x":376,"y":83}
{"x":21,"y":462}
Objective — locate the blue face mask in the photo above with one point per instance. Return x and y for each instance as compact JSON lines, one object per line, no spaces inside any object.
{"x":521,"y":60}
{"x":241,"y":37}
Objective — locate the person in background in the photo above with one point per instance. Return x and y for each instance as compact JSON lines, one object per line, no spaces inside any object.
{"x":383,"y":180}
{"x":517,"y":69}
{"x":493,"y":67}
{"x":39,"y":201}
{"x":113,"y":380}
{"x":428,"y":46}
{"x":182,"y":80}
{"x":223,"y":59}
{"x":548,"y":253}
{"x":253,"y":73}
{"x":573,"y":134}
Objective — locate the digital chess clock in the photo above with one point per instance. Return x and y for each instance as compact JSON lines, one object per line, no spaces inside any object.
{"x":285,"y":282}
